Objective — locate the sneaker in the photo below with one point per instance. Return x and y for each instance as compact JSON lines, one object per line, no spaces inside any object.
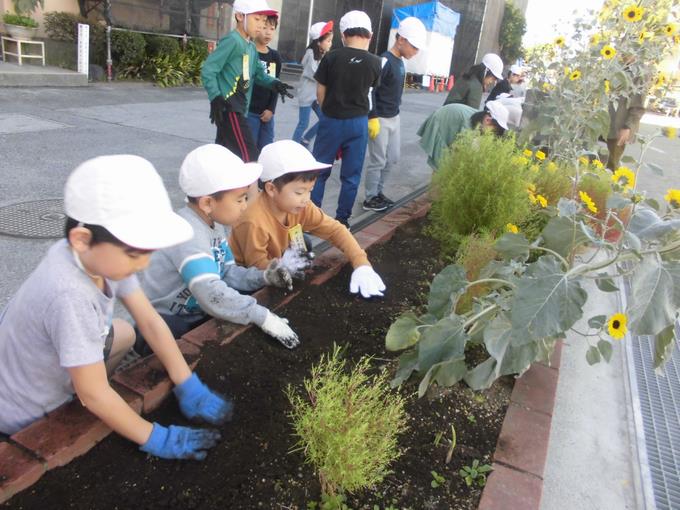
{"x":376,"y":204}
{"x":388,"y":201}
{"x":343,"y":221}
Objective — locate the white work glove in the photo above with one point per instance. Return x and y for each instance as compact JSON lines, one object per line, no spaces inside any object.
{"x":278,"y":327}
{"x":278,"y":275}
{"x":366,"y":281}
{"x":296,"y":262}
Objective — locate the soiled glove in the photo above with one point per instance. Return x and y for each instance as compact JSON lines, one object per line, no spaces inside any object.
{"x":297,"y":262}
{"x":217,"y":109}
{"x":176,"y":442}
{"x":197,"y":401}
{"x":278,"y":275}
{"x":373,"y":128}
{"x":366,"y":281}
{"x":282,"y":89}
{"x":278,"y":328}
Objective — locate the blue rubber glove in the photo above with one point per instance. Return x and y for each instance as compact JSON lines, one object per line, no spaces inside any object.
{"x":196,"y":401}
{"x":180,"y":442}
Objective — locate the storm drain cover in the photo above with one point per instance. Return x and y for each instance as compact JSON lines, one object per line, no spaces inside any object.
{"x":39,"y":219}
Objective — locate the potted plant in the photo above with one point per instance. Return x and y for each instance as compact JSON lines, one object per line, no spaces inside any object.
{"x":19,"y":26}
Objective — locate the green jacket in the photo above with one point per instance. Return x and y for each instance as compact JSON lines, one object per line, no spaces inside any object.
{"x":466,"y":91}
{"x":222,"y":71}
{"x":441,"y":128}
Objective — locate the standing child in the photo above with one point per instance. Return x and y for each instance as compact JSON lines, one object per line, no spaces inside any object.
{"x":227,"y":73}
{"x":190,"y":282}
{"x":57,"y":335}
{"x":321,"y":34}
{"x":263,"y":103}
{"x":275,"y":221}
{"x":384,"y":130}
{"x":344,"y":78}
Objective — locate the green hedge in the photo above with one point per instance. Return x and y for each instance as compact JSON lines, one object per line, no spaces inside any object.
{"x":128,"y":49}
{"x":63,"y":26}
{"x":158,"y":46}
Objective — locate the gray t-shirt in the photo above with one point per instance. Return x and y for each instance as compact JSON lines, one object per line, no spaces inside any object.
{"x":199,"y":276}
{"x":58,"y":319}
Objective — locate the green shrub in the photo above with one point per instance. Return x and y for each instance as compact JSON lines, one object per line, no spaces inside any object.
{"x":158,"y":46}
{"x":127,"y":49}
{"x":63,"y":26}
{"x":480,"y":186}
{"x":199,"y":47}
{"x":19,"y":20}
{"x":347,"y":424}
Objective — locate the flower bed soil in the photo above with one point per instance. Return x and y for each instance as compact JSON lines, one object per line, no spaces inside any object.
{"x":253,"y":466}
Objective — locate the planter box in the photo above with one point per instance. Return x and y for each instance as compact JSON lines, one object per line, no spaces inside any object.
{"x":20,"y":32}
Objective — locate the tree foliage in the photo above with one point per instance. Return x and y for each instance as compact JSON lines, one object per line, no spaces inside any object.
{"x":513,"y":27}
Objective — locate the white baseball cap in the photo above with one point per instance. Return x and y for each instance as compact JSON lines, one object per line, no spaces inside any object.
{"x":284,"y":157}
{"x":355,"y":19}
{"x":254,"y":7}
{"x":211,"y":168}
{"x":320,"y":29}
{"x":494,"y":64}
{"x":125,"y":195}
{"x":499,"y":113}
{"x":413,"y":30}
{"x":515,"y":69}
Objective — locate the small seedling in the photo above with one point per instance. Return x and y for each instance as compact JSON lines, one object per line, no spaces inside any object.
{"x":475,"y":474}
{"x":479,"y":398}
{"x":438,"y":438}
{"x":452,"y":446}
{"x":437,"y":480}
{"x":471,"y":418}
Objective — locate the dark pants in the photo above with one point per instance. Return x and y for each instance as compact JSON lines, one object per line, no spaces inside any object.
{"x":179,"y":325}
{"x":235,"y":135}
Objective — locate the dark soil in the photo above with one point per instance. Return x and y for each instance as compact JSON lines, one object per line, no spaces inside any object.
{"x":253,"y":466}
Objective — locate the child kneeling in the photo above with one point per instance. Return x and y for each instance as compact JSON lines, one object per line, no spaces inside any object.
{"x":276,"y":219}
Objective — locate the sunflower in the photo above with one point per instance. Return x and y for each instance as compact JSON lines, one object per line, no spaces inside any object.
{"x":670,"y":29}
{"x":632,"y":13}
{"x":559,"y":41}
{"x":542,"y":201}
{"x":660,"y":80}
{"x":552,"y":166}
{"x":512,"y":228}
{"x":670,"y":132}
{"x":527,"y":153}
{"x":584,"y":160}
{"x":540,"y":155}
{"x":625,"y":177}
{"x":567,"y":71}
{"x":616,"y":325}
{"x":585,"y":198}
{"x":676,"y":39}
{"x":531,"y":187}
{"x":595,"y":39}
{"x":608,"y":52}
{"x":644,"y":36}
{"x":673,"y":197}
{"x":575,"y":75}
{"x":547,"y":87}
{"x":607,"y":87}
{"x":598,"y":164}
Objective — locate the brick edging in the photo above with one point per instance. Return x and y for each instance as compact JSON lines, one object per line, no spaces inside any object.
{"x":522,"y":448}
{"x":71,"y":430}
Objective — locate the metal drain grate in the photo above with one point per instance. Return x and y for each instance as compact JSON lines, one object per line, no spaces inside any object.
{"x":39,"y":219}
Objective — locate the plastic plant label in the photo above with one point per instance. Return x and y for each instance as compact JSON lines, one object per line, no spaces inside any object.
{"x":297,"y":240}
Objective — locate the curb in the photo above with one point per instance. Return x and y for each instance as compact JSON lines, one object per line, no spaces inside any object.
{"x":71,"y":430}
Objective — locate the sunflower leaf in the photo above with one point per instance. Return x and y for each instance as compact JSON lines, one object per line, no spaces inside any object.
{"x":597,"y":321}
{"x":652,"y":302}
{"x":663,"y":346}
{"x":593,"y":355}
{"x":605,"y":349}
{"x":605,"y":283}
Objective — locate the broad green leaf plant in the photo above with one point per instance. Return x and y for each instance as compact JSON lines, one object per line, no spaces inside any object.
{"x":536,"y":290}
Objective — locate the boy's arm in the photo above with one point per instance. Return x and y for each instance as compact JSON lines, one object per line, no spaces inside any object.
{"x":320,"y":93}
{"x":273,"y":95}
{"x":214,"y":65}
{"x":321,"y":225}
{"x":244,"y":278}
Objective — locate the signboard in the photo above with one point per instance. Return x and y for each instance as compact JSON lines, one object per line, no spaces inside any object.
{"x":83,"y":48}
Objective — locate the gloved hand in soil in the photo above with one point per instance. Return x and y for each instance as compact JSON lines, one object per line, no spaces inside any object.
{"x":278,"y":275}
{"x":282,"y":89}
{"x":366,"y":281}
{"x":197,"y":401}
{"x":278,"y":327}
{"x":175,"y":442}
{"x":297,"y":262}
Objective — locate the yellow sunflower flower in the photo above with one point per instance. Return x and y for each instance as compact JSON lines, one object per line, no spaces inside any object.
{"x":527,"y":153}
{"x":670,"y":132}
{"x":595,"y":39}
{"x":607,"y":87}
{"x":542,"y":201}
{"x":673,"y":197}
{"x":670,"y":29}
{"x":575,"y":75}
{"x":531,"y":188}
{"x":661,"y":80}
{"x":625,"y":177}
{"x":512,"y":228}
{"x":616,"y":325}
{"x":676,"y":40}
{"x":632,"y":13}
{"x":584,"y":160}
{"x":540,"y":155}
{"x":552,"y":166}
{"x":559,"y":41}
{"x":546,"y":87}
{"x":608,"y":52}
{"x":598,"y":164}
{"x":585,"y":198}
{"x":644,"y":36}
{"x":567,"y":71}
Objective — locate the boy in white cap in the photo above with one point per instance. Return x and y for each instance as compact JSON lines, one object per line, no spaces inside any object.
{"x":275,"y":221}
{"x":57,"y":335}
{"x":227,"y":74}
{"x":384,"y":130}
{"x":345,"y":77}
{"x":190,"y":282}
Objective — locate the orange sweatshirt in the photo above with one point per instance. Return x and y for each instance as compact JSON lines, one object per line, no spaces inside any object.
{"x":258,"y":237}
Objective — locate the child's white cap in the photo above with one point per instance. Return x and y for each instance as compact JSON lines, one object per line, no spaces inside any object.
{"x":498,"y":112}
{"x":355,"y":19}
{"x":125,"y":195}
{"x":284,"y":157}
{"x":211,"y":168}
{"x":413,"y":30}
{"x":254,"y":7}
{"x":320,"y":29}
{"x":515,"y":69}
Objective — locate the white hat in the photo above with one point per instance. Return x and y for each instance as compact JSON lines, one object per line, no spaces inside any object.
{"x":494,"y":64}
{"x":499,"y":113}
{"x":355,"y":19}
{"x":320,"y":29}
{"x":125,"y":195}
{"x":515,"y":69}
{"x":413,"y":30}
{"x":284,"y":157}
{"x":254,"y":7}
{"x":212,"y":168}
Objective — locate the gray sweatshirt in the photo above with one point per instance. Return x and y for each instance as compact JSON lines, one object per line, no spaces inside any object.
{"x":199,"y":277}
